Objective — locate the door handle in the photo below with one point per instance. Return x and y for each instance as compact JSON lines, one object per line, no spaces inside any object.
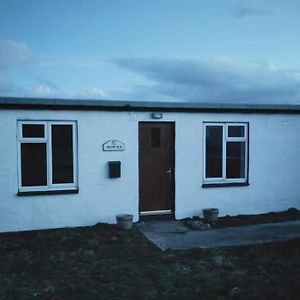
{"x":169,"y":172}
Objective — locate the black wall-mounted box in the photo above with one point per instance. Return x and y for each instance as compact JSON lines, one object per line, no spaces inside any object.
{"x":114,"y":169}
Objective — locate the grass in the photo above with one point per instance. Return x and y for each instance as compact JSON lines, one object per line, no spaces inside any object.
{"x":102,"y":262}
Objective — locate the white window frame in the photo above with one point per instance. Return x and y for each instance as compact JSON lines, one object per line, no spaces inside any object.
{"x":47,"y":139}
{"x":226,"y":138}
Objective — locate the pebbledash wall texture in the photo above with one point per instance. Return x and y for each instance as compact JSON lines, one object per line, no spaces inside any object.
{"x":241,"y":159}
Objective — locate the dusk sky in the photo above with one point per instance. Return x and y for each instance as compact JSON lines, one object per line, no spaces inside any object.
{"x":245,"y":51}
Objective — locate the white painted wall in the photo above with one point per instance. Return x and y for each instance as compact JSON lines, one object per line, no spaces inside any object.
{"x":274,"y":166}
{"x":274,"y":171}
{"x":99,"y":198}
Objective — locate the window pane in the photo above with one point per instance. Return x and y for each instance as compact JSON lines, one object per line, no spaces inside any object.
{"x":236,"y":131}
{"x":235,"y":161}
{"x":33,"y":130}
{"x":155,"y":137}
{"x":214,"y":141}
{"x":62,"y":154}
{"x":33,"y":164}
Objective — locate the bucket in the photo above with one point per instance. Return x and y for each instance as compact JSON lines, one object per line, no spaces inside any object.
{"x":124,"y":221}
{"x":210,"y":214}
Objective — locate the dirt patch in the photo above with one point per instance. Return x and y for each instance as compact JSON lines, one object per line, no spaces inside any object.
{"x":102,"y":262}
{"x":292,"y":214}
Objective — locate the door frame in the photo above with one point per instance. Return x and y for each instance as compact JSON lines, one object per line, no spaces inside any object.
{"x":158,"y":212}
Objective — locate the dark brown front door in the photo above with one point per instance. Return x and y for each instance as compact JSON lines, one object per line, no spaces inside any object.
{"x":156,"y":167}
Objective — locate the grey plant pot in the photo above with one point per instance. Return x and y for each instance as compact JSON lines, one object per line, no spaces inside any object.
{"x":124,"y":221}
{"x":210,"y":214}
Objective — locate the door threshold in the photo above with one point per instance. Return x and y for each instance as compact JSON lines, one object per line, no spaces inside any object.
{"x":156,"y":212}
{"x":161,"y":215}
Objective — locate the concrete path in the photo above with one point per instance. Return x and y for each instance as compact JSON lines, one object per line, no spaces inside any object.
{"x":175,"y":235}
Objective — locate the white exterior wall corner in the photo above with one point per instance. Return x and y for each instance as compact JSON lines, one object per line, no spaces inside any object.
{"x":274,"y":169}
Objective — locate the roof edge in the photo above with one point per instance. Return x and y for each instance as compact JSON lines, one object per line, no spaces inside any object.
{"x":64,"y":103}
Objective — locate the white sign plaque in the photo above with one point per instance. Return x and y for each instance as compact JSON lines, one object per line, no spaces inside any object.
{"x":113,"y":145}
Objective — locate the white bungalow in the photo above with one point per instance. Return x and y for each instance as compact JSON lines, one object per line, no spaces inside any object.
{"x":78,"y":162}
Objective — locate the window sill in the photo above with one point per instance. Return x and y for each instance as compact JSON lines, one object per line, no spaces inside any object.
{"x":49,"y":192}
{"x":224,"y":184}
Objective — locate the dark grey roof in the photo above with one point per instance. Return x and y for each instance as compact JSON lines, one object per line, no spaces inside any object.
{"x":83,"y":104}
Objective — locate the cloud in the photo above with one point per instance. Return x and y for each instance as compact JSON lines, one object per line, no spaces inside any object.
{"x":92,"y":93}
{"x":12,"y":55}
{"x":45,"y":88}
{"x":244,"y":12}
{"x":253,"y":8}
{"x":72,"y":63}
{"x":5,"y":84}
{"x":15,"y":55}
{"x":218,"y":80}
